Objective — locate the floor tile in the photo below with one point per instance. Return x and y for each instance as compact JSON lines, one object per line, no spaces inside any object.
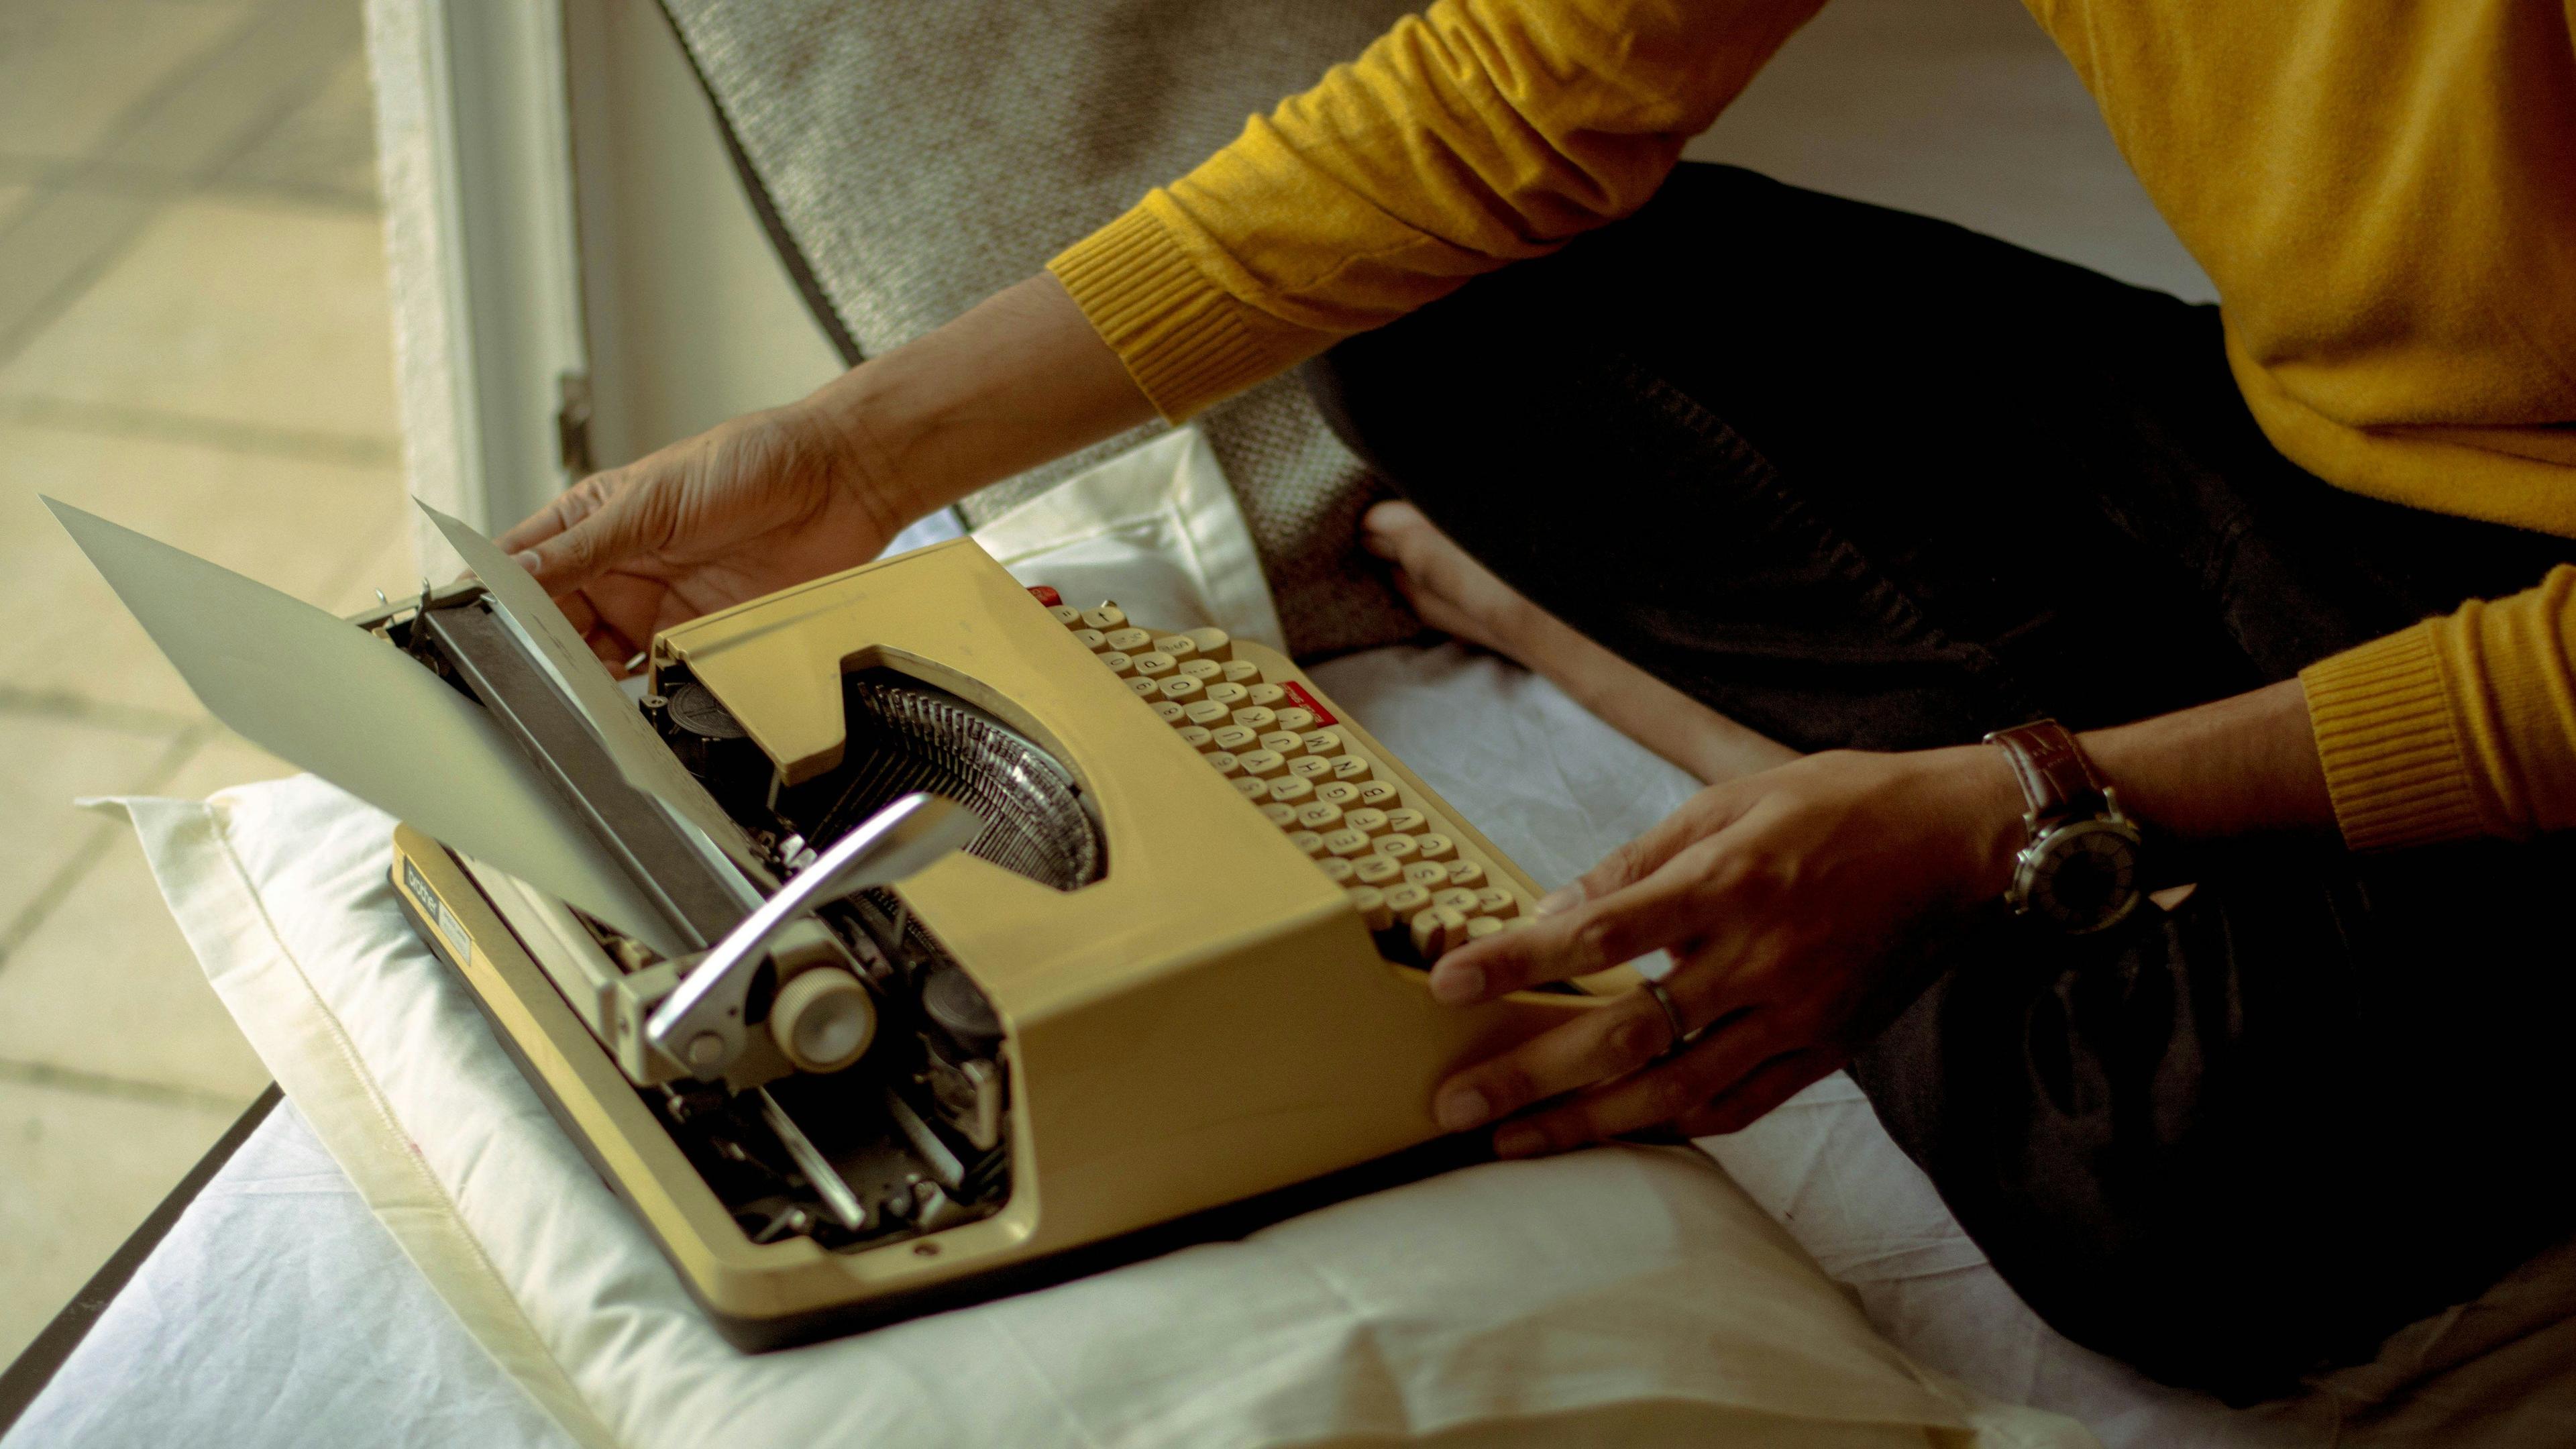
{"x":302,"y":527}
{"x":84,"y":1171}
{"x":325,"y":148}
{"x":45,"y":762}
{"x":271,"y":314}
{"x":107,"y":986}
{"x":71,"y":70}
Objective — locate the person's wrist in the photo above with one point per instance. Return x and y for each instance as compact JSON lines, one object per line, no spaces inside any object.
{"x":1984,"y":803}
{"x":864,"y":452}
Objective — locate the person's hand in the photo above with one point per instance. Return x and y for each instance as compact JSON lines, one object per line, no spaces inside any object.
{"x":744,"y":509}
{"x":1796,"y":904}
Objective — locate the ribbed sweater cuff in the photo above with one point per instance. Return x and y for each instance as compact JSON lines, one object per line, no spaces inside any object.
{"x":2392,"y":751}
{"x":1185,"y":340}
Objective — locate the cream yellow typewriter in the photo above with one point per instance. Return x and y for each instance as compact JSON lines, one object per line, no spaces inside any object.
{"x":957,"y":938}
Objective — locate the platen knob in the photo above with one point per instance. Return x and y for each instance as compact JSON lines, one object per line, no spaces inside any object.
{"x":823,"y":1019}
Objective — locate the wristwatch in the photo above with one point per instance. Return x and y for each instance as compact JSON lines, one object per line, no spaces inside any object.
{"x":2080,"y":869}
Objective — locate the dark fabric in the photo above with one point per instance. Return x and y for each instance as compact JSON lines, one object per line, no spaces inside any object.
{"x":1861,"y":479}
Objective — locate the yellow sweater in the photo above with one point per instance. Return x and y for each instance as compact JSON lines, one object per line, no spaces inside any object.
{"x":2383,"y":190}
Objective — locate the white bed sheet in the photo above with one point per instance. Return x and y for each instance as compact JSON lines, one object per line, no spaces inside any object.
{"x":280,"y":1287}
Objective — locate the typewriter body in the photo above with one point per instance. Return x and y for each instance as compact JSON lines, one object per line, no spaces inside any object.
{"x":1176,"y":965}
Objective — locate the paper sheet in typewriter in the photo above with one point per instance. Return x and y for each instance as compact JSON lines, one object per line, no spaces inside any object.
{"x":642,"y":758}
{"x":354,"y":710}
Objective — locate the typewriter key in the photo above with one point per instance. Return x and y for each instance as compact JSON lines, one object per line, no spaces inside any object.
{"x":1290,"y":790}
{"x":1458,"y":899}
{"x":1353,"y":768}
{"x":1205,"y":671}
{"x":1436,"y":846}
{"x":1496,"y":901}
{"x":1181,"y":689}
{"x":1307,"y":767}
{"x":1256,"y":719}
{"x":1224,"y":761}
{"x":1370,"y":902}
{"x":1483,"y":926}
{"x":1319,"y":817}
{"x":1466,"y":873}
{"x":1347,"y":843}
{"x":1338,"y":792}
{"x":1155,"y":665}
{"x":1091,"y":639}
{"x":1242,"y":671}
{"x":1236,"y":738}
{"x":1381,"y":795}
{"x":1405,"y":822}
{"x":1067,"y":615}
{"x":1105,"y":618}
{"x":1378,"y":870}
{"x":1431,"y":875}
{"x":1197,"y":738}
{"x":1129,"y":641}
{"x":1406,"y":899}
{"x":1322,"y":744}
{"x":1269,"y":696}
{"x":1286,"y":743}
{"x":1214,"y":644}
{"x":1396,"y":847}
{"x":1179,"y":646}
{"x":1229,"y":695}
{"x":1170,"y":713}
{"x":1143,"y":688}
{"x":1261,"y":764}
{"x":1306,"y":840}
{"x":1250,"y":788}
{"x":1438,"y":929}
{"x":1335,"y":868}
{"x":1283,"y":816}
{"x":1366,"y":821}
{"x":1119,"y":664}
{"x":1296,"y":717}
{"x":1204,"y":714}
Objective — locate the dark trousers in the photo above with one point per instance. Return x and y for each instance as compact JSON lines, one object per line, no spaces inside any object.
{"x":1861,"y":479}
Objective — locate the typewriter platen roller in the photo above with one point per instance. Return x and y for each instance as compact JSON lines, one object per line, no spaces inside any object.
{"x":1175,"y":966}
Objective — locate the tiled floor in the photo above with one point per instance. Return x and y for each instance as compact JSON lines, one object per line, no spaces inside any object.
{"x":193,"y":342}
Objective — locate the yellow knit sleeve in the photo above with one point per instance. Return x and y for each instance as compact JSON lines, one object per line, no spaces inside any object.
{"x":2464,"y":725}
{"x":1475,"y":134}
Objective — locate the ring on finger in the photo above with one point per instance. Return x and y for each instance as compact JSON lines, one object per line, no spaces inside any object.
{"x":1672,"y":1018}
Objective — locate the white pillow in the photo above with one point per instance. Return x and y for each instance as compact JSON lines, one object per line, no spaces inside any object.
{"x":1619,"y":1295}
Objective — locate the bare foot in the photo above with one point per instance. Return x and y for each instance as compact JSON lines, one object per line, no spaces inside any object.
{"x":1459,"y":596}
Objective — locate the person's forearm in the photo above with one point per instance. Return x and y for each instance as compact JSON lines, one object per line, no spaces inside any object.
{"x":1019,"y":380}
{"x":2239,"y":765}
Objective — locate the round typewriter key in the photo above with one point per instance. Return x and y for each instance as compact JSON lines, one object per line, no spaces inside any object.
{"x":1091,"y":639}
{"x":1307,"y":767}
{"x":1319,"y":817}
{"x":1483,"y":926}
{"x":1438,"y":929}
{"x":1286,"y":742}
{"x":1196,"y":738}
{"x":1377,"y":870}
{"x":1144,"y":688}
{"x":1224,"y":761}
{"x":1459,"y":899}
{"x":1351,"y":768}
{"x":1338,"y":792}
{"x":1205,"y":671}
{"x":1283,"y":816}
{"x":1204,"y":714}
{"x":1435,"y":846}
{"x":1381,"y":795}
{"x":1404,"y":900}
{"x":1262,"y":764}
{"x":1229,"y":695}
{"x":1466,"y":873}
{"x":1296,"y":717}
{"x":1405,"y":822}
{"x":1289,"y":790}
{"x":1181,"y":689}
{"x":1396,"y":847}
{"x":1214,"y":644}
{"x":1366,"y":821}
{"x":1119,"y":664}
{"x":1170,"y":713}
{"x":1242,"y":671}
{"x":1236,"y":738}
{"x":1105,"y":618}
{"x":1347,"y":843}
{"x":1268,"y":695}
{"x":1322,"y":743}
{"x":1067,"y":615}
{"x":1335,"y":869}
{"x":1496,"y":901}
{"x":1250,"y":788}
{"x":1155,"y":665}
{"x":1306,"y":840}
{"x":1370,"y":902}
{"x":1428,"y":874}
{"x":1256,"y":718}
{"x":1129,"y":641}
{"x":1179,"y":646}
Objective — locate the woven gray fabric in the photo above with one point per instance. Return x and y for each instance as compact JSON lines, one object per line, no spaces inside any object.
{"x":913,"y":158}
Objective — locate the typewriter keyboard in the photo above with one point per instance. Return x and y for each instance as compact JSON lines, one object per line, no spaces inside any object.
{"x":1410,"y":877}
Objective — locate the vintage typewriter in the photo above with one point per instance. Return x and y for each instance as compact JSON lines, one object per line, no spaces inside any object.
{"x":976,"y":939}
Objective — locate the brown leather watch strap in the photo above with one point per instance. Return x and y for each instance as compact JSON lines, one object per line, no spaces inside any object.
{"x":2055,"y":777}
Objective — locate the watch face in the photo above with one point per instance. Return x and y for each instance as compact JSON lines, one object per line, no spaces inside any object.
{"x":2083,"y":876}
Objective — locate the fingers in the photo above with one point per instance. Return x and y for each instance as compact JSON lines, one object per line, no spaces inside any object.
{"x":1703,"y":815}
{"x":1669,"y":906}
{"x":1612,"y":1041}
{"x":1751,"y":1099}
{"x":1687,"y":1087}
